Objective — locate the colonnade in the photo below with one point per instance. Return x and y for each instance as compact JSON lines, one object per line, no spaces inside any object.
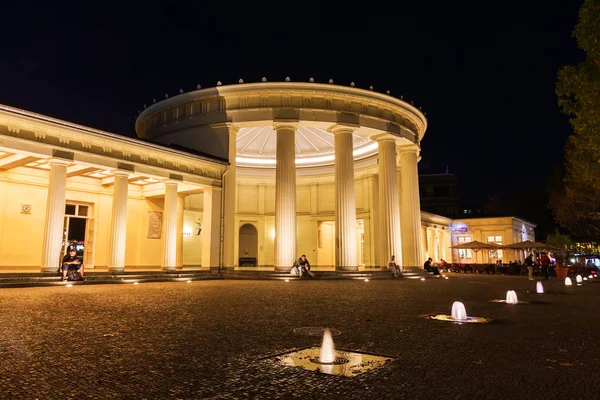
{"x":399,"y":222}
{"x":400,"y":237}
{"x":172,"y":222}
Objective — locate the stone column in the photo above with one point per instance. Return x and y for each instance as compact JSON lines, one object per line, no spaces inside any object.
{"x":436,"y":245}
{"x":229,"y":189}
{"x":118,"y":230}
{"x":425,"y":249}
{"x":211,"y":227}
{"x":431,"y":243}
{"x":285,"y":196}
{"x":410,"y":212}
{"x":170,"y":227}
{"x":389,"y":206}
{"x":345,"y":202}
{"x":180,"y":218}
{"x":55,"y":215}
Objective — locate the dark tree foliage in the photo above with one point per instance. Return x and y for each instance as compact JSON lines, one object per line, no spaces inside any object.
{"x":576,"y":205}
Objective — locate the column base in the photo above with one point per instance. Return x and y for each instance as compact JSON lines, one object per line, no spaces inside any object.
{"x":47,"y":270}
{"x":115,"y":270}
{"x":282,"y":269}
{"x":169,"y":270}
{"x":346,"y":269}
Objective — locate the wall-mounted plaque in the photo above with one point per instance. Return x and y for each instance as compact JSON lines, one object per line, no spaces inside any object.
{"x":154,"y":224}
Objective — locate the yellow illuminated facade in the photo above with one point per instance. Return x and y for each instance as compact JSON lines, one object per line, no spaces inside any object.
{"x":287,"y":169}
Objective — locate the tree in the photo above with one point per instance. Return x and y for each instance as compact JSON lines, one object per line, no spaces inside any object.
{"x":562,"y":243}
{"x":576,"y":206}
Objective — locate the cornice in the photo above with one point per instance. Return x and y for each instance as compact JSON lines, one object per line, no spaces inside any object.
{"x":273,"y":95}
{"x":61,"y":134}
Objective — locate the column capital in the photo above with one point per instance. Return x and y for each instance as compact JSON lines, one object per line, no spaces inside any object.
{"x":384,"y":137}
{"x":341,"y":128}
{"x":120,"y":172}
{"x":277,"y":125}
{"x":409,"y":148}
{"x":170,"y":182}
{"x":224,"y":126}
{"x":59,"y":161}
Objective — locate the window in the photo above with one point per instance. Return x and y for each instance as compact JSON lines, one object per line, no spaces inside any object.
{"x":464,"y":253}
{"x":70,"y":209}
{"x":442,"y":190}
{"x":495,"y":253}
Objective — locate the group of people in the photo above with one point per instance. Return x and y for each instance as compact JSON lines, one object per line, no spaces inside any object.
{"x":302,"y":267}
{"x":544,"y":265}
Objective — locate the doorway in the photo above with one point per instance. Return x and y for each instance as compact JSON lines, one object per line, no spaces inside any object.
{"x":79,"y":232}
{"x":248,"y":245}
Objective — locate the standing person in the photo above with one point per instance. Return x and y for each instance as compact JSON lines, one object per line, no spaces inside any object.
{"x":305,"y":266}
{"x":545,"y":264}
{"x":395,"y":268}
{"x":529,"y":264}
{"x":71,"y":261}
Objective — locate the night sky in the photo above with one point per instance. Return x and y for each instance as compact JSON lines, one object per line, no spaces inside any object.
{"x":483,"y":72}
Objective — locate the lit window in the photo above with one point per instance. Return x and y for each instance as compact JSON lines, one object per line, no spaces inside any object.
{"x":464,"y":253}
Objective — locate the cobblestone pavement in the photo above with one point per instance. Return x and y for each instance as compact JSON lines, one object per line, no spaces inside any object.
{"x":205,"y":340}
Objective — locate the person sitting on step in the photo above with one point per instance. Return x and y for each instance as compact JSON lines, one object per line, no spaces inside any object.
{"x":305,"y":266}
{"x":71,"y":261}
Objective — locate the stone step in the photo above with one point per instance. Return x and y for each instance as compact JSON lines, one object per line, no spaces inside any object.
{"x":45,"y":279}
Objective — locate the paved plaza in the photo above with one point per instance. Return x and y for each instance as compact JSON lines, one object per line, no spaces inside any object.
{"x":206,"y":339}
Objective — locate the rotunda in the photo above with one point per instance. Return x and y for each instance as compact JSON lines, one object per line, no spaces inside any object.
{"x":324,"y":170}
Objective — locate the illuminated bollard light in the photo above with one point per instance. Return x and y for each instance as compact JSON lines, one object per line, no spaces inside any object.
{"x":539,"y":288}
{"x":568,"y":281}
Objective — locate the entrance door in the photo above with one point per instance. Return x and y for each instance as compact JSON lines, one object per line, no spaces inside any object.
{"x":79,"y":232}
{"x":326,"y":240}
{"x":248,"y":246}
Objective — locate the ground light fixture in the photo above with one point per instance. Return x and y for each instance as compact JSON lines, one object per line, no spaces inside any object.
{"x":329,"y":360}
{"x":136,"y":283}
{"x":459,"y":316}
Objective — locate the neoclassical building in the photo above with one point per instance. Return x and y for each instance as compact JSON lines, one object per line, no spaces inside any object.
{"x":250,"y":175}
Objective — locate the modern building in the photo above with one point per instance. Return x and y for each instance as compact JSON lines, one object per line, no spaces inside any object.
{"x":439,"y":195}
{"x":231,"y":176}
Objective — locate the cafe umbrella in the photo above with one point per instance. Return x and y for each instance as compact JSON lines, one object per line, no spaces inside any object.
{"x":476,"y":246}
{"x":528,"y":246}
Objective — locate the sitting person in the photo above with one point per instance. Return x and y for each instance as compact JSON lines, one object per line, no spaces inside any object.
{"x":395,"y":268}
{"x":296,"y":269}
{"x":71,"y":261}
{"x":444,"y":265}
{"x":431,"y":268}
{"x":427,"y":265}
{"x":305,"y":266}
